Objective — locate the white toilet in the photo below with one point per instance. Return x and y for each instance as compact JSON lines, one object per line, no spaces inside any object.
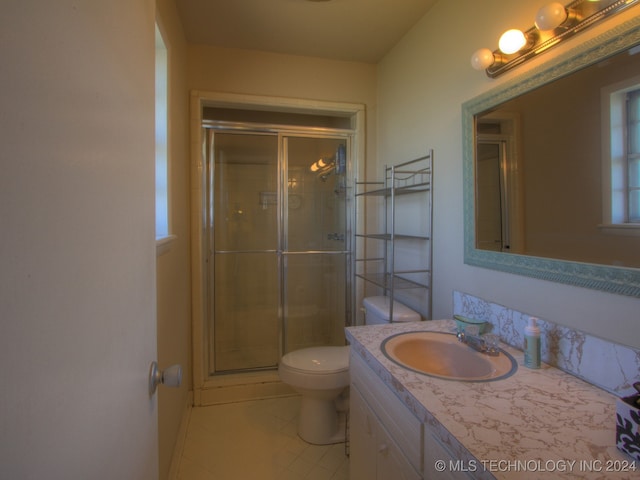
{"x":321,"y":376}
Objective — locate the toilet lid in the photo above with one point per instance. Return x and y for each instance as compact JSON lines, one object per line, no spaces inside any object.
{"x":380,"y":306}
{"x":318,"y":359}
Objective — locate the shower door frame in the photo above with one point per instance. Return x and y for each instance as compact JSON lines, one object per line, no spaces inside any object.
{"x":283,"y":134}
{"x":215,"y":389}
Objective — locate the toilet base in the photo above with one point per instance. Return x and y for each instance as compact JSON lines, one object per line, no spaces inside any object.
{"x":319,"y":422}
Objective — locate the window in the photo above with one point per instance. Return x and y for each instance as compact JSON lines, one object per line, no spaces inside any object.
{"x":162,"y":184}
{"x":621,"y":144}
{"x":633,"y":156}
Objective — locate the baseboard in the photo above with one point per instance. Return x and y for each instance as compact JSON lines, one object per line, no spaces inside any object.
{"x":178,"y":450}
{"x":240,"y":388}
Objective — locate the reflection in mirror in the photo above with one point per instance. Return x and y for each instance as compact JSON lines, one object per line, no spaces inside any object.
{"x":562,"y":136}
{"x":552,"y":171}
{"x":499,"y":212}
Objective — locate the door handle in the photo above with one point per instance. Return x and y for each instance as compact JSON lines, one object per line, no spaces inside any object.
{"x":171,"y":377}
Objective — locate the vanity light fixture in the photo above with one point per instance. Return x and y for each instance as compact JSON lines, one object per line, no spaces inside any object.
{"x":553,"y":24}
{"x":512,"y":41}
{"x":551,"y":16}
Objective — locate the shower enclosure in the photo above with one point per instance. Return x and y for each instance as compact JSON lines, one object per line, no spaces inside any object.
{"x":277,"y":242}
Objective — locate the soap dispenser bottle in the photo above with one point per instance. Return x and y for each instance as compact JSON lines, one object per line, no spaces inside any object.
{"x":532,"y":344}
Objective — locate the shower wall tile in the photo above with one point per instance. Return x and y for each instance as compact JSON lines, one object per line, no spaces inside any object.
{"x":608,"y":365}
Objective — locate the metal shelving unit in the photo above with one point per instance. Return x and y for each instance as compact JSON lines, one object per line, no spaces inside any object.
{"x":415,"y":178}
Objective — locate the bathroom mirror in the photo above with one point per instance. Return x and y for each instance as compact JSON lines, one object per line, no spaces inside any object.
{"x":526,"y":159}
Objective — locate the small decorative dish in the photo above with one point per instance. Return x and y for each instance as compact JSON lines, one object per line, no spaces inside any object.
{"x":464,"y":322}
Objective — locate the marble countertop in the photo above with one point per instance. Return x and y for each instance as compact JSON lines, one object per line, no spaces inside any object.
{"x":541,"y":423}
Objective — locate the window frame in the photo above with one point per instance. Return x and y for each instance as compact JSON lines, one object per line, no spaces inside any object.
{"x":164,"y":238}
{"x":632,"y":215}
{"x":615,"y":171}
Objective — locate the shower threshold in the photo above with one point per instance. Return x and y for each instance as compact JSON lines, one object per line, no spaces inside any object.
{"x":239,"y":387}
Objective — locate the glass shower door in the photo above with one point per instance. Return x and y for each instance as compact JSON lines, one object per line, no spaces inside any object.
{"x":278,"y":273}
{"x":315,"y":243}
{"x":246,"y":294}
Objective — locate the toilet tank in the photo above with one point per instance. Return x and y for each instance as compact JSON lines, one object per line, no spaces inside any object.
{"x":377,"y":311}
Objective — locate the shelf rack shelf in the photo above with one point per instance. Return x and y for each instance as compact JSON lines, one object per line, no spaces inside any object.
{"x":414,"y":177}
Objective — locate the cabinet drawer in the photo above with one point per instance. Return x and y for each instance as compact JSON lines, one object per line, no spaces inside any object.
{"x":402,"y":425}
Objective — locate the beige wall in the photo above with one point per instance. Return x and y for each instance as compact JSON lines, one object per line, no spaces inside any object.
{"x":214,"y":69}
{"x":173,"y":279}
{"x":422,"y":83}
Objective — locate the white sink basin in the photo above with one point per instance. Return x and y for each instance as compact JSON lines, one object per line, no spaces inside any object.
{"x":442,"y":355}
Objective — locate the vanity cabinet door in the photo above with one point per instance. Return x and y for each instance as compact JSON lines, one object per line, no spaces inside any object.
{"x":374,"y":454}
{"x":400,"y":424}
{"x":392,"y":464}
{"x":362,"y":442}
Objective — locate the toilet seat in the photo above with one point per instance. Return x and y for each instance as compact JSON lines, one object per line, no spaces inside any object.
{"x":316,"y":368}
{"x":318,"y":360}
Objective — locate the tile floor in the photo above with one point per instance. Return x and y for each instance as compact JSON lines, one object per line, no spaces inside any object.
{"x":255,"y":440}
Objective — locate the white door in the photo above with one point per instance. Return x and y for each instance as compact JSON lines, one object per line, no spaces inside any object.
{"x":77,"y":249}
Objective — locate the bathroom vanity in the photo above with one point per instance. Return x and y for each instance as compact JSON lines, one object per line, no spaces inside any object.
{"x":540,"y":423}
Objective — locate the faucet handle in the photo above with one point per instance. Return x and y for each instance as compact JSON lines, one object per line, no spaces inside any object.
{"x":491,"y":341}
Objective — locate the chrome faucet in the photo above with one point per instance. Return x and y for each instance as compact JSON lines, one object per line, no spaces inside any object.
{"x":487,"y":344}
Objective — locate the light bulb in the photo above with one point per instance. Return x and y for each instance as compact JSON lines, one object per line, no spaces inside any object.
{"x":511,"y":41}
{"x":482,"y":59}
{"x":551,"y":16}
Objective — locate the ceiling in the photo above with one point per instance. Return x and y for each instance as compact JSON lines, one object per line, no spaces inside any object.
{"x":351,"y":30}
